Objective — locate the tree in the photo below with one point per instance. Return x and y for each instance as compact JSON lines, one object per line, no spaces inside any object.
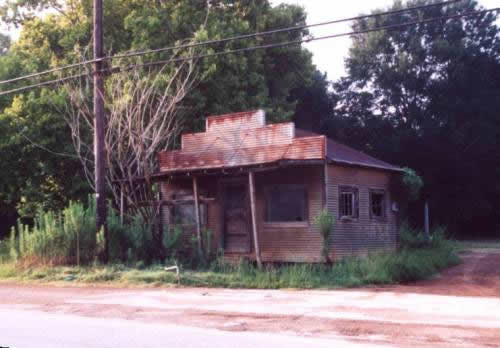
{"x":4,"y":44}
{"x":315,"y":103}
{"x":143,"y":118}
{"x":424,"y":97}
{"x":256,"y":79}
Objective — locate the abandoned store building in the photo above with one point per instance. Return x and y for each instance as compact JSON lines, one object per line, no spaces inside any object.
{"x":257,"y":187}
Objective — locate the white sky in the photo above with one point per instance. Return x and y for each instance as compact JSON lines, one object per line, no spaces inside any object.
{"x":329,"y":54}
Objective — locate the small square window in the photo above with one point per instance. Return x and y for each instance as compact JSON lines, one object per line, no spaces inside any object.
{"x":348,"y":202}
{"x":377,"y":204}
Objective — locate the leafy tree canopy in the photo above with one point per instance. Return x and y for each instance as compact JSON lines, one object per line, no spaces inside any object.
{"x":33,"y":175}
{"x":426,"y":97}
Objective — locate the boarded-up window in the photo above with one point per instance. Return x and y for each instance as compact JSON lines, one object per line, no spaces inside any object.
{"x":184,"y":214}
{"x":377,"y":204}
{"x":348,"y":202}
{"x":286,"y":203}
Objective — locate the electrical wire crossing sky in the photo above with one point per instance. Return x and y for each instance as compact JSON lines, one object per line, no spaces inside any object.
{"x":329,"y":57}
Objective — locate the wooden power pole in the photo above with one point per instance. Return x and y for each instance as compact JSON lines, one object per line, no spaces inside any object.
{"x":99,"y":124}
{"x":426,"y":220}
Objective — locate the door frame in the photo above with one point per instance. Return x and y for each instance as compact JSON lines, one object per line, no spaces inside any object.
{"x":223,"y":183}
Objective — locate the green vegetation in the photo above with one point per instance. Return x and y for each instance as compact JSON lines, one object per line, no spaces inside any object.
{"x":438,"y":118}
{"x":39,"y":168}
{"x":413,"y":261}
{"x":412,"y":182}
{"x":67,"y":238}
{"x":477,"y":244}
{"x":423,"y":96}
{"x":324,"y":222}
{"x":70,"y":238}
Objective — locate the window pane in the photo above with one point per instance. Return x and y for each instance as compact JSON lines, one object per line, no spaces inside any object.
{"x":348,"y":202}
{"x":286,"y":203}
{"x":377,"y":204}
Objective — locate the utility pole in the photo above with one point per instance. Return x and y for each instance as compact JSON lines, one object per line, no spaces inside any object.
{"x":99,"y":124}
{"x":426,"y":220}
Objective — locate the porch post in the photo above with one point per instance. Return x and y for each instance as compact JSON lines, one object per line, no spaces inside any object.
{"x":251,"y":182}
{"x":197,"y":213}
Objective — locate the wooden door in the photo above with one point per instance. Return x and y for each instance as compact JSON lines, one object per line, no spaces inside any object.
{"x":236,"y":219}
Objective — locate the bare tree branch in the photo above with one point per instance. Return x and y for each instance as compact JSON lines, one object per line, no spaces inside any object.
{"x":142,"y":119}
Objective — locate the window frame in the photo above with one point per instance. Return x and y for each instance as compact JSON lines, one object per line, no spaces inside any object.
{"x":354,"y":191}
{"x":383,"y":208}
{"x":290,"y":224}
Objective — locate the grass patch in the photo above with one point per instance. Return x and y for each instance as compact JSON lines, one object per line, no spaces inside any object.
{"x":406,"y":265}
{"x":477,"y":244}
{"x":417,"y":258}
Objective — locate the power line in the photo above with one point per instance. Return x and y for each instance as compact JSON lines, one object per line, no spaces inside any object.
{"x":224,"y":40}
{"x":247,"y":49}
{"x":294,"y":28}
{"x":296,"y":42}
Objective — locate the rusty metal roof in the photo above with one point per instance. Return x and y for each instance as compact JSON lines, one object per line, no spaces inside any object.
{"x":343,"y":154}
{"x":244,"y":139}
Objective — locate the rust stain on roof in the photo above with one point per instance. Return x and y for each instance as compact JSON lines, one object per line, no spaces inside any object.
{"x":341,"y":153}
{"x":243,"y":139}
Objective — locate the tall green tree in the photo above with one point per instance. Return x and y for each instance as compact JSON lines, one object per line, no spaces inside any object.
{"x":426,"y":96}
{"x":35,"y":133}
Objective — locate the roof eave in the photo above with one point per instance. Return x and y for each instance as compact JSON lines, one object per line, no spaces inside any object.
{"x":364,"y":165}
{"x":281,"y":163}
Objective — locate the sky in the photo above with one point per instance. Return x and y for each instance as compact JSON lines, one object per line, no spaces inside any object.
{"x":329,"y":55}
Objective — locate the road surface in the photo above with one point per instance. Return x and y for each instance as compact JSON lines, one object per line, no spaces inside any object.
{"x":461,"y":308}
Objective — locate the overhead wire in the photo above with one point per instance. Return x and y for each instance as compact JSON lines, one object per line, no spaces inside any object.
{"x":224,"y":40}
{"x":118,"y":69}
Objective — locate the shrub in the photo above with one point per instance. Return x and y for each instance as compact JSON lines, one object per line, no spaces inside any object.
{"x":411,"y":238}
{"x":132,"y":240}
{"x":203,"y":259}
{"x":324,"y":221}
{"x":172,"y":241}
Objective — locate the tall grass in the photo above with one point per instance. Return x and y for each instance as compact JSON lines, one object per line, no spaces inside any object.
{"x":62,"y":239}
{"x":66,"y":238}
{"x":70,"y":238}
{"x":403,"y":266}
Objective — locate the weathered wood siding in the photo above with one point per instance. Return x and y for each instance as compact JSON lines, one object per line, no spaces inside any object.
{"x":362,"y":235}
{"x":284,"y":242}
{"x":301,"y":242}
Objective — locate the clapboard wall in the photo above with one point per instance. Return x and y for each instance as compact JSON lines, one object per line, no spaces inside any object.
{"x":364,"y":234}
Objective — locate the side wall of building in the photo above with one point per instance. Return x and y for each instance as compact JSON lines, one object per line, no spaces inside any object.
{"x":364,"y":234}
{"x":290,"y":242}
{"x":279,"y":242}
{"x":301,"y":242}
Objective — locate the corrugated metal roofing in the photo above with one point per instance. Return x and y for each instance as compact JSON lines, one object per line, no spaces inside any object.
{"x":344,"y":154}
{"x":243,"y":139}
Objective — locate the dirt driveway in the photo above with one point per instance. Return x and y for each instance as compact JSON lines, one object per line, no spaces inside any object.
{"x":460,"y":308}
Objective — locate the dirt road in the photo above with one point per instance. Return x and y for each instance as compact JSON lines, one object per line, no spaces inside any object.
{"x":460,"y":308}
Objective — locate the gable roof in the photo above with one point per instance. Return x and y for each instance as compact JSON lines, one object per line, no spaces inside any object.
{"x":343,"y":154}
{"x":244,"y":139}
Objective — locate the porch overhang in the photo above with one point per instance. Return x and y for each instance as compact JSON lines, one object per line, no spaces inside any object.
{"x":236,"y":170}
